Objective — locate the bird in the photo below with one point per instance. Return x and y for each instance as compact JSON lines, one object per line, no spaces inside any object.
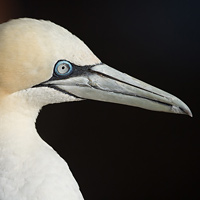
{"x":43,"y":63}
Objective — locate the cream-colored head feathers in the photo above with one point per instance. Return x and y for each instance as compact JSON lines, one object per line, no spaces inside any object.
{"x":30,"y":48}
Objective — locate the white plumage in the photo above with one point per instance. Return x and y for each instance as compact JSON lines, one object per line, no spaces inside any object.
{"x":29,"y":168}
{"x":42,"y":63}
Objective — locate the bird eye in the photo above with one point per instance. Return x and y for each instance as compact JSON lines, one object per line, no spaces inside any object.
{"x":63,"y":68}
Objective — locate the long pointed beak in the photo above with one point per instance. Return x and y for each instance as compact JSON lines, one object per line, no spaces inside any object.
{"x":104,"y":83}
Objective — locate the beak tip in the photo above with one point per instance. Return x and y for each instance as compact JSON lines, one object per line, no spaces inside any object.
{"x":188,"y":112}
{"x":185,"y":110}
{"x":180,"y":107}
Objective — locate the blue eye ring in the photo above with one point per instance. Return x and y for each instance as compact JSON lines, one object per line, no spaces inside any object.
{"x":63,"y":68}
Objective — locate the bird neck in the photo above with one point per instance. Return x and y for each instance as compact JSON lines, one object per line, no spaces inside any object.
{"x":17,"y":122}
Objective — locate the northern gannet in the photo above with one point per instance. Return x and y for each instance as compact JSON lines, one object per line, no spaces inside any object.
{"x":42,"y":63}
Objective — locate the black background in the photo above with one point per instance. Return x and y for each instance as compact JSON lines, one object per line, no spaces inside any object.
{"x":119,"y":152}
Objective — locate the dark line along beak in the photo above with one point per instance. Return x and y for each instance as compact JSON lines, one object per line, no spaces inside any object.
{"x":104,"y":83}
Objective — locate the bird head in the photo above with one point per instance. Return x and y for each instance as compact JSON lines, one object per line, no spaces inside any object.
{"x":48,"y":64}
